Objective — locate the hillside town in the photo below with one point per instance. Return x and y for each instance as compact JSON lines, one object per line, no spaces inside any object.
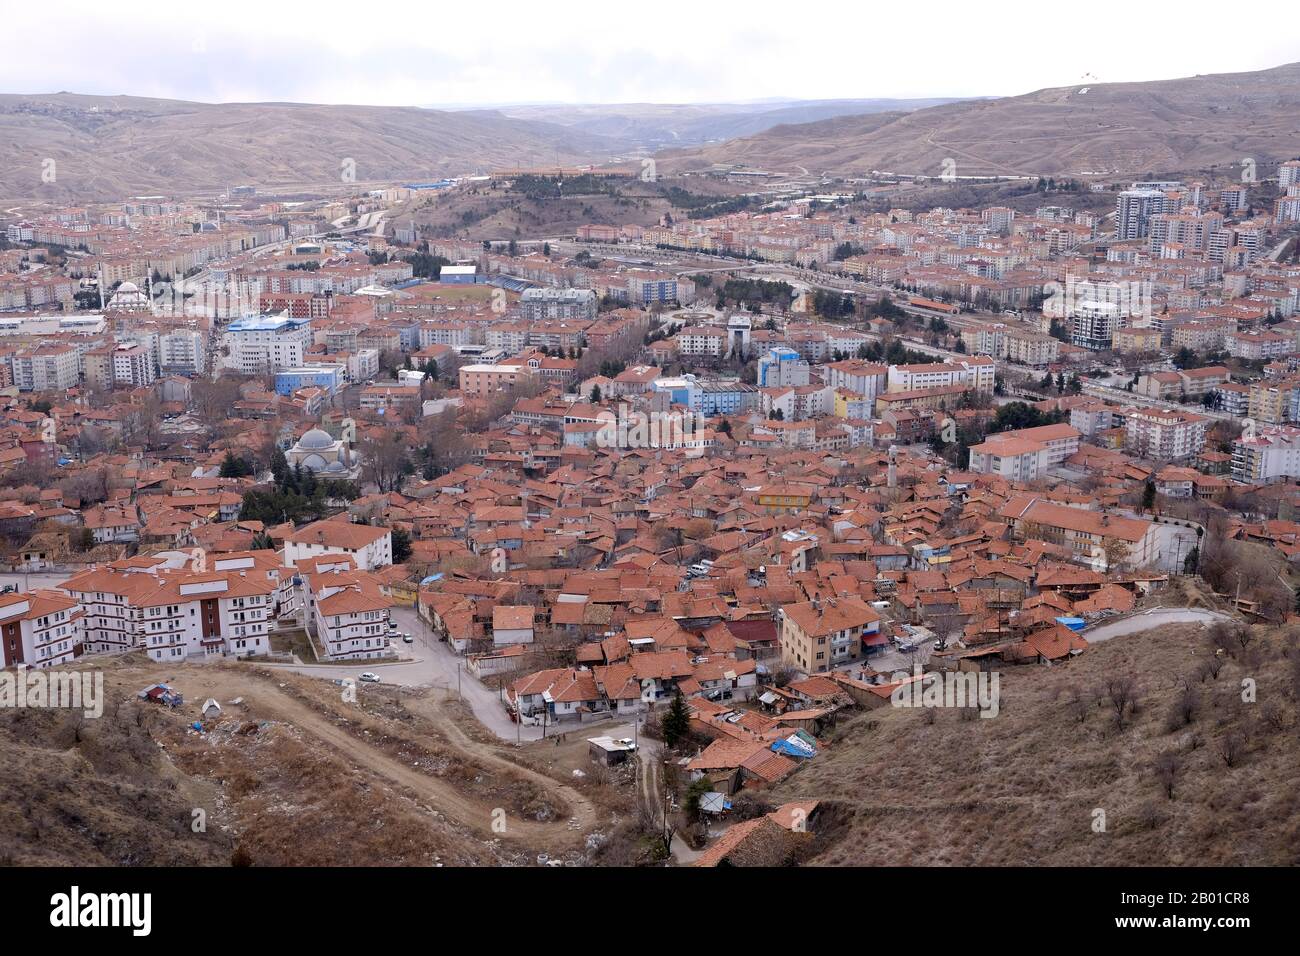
{"x":719,"y":482}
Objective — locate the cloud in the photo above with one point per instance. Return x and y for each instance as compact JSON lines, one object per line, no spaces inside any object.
{"x":408,"y":53}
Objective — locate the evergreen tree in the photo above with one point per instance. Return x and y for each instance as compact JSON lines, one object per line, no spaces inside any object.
{"x":677,"y":722}
{"x":401,"y":545}
{"x":279,"y":466}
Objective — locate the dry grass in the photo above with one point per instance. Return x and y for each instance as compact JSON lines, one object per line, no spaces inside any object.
{"x":292,"y":804}
{"x":109,"y":798}
{"x":293,"y":775}
{"x":1022,"y":788}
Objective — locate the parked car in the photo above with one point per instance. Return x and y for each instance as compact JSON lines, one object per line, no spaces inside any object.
{"x":369,"y":677}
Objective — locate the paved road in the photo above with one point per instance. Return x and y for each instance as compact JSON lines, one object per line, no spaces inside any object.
{"x":1156,"y":617}
{"x":438,"y":666}
{"x":33,"y":581}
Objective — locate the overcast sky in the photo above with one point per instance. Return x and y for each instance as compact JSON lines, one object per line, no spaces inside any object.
{"x":667,"y":51}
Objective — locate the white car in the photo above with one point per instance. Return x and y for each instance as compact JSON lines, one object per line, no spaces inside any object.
{"x":370,"y":677}
{"x":407,"y":639}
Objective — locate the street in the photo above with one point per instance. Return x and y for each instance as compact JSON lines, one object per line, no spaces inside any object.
{"x":32,"y":581}
{"x":437,"y":666}
{"x":1147,"y":620}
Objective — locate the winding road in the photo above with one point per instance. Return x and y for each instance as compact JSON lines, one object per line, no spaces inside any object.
{"x":1148,"y":620}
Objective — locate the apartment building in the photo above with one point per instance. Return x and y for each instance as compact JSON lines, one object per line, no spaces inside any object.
{"x":1092,"y":418}
{"x":649,"y":288}
{"x":782,"y":366}
{"x":1026,"y":453}
{"x":39,"y":629}
{"x":1259,"y":346}
{"x":1232,"y":398}
{"x":1174,"y":385}
{"x":385,"y":398}
{"x":173,"y":614}
{"x":348,"y":614}
{"x":262,"y":344}
{"x":986,"y":339}
{"x":1031,"y":348}
{"x":46,"y":368}
{"x":1164,"y":435}
{"x":1137,"y":340}
{"x":858,"y":377}
{"x":701,"y":342}
{"x":538,"y":304}
{"x":133,"y":366}
{"x":975,"y":373}
{"x":370,"y":546}
{"x":1267,"y":455}
{"x":482,"y":380}
{"x":183,"y":352}
{"x":1274,"y":401}
{"x":1134,"y":209}
{"x":1097,"y":539}
{"x":1201,"y":336}
{"x":822,"y":633}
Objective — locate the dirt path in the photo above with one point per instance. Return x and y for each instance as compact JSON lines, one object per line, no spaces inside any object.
{"x":581,"y":808}
{"x":267,"y":701}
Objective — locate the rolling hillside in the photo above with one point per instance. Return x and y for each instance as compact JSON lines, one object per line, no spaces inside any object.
{"x":1112,"y":128}
{"x":656,"y":125}
{"x":110,"y":147}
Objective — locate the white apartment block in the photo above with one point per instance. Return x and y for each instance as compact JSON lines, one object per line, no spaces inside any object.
{"x":1024,"y":454}
{"x":46,"y":368}
{"x":369,"y":546}
{"x":183,"y":351}
{"x":261,"y":344}
{"x":133,"y":365}
{"x":861,"y":378}
{"x":701,"y":341}
{"x":1270,"y":454}
{"x":1164,"y":436}
{"x":172,"y":614}
{"x":348,"y":614}
{"x":975,"y":373}
{"x":39,"y":629}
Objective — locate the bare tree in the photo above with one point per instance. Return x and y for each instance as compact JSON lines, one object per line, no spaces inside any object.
{"x":1121,"y":691}
{"x":384,"y":458}
{"x":1166,"y":768}
{"x":1230,"y":748}
{"x":1185,"y":706}
{"x":1078,"y":703}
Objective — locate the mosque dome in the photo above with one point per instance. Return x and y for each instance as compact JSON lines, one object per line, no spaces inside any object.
{"x":316,"y":438}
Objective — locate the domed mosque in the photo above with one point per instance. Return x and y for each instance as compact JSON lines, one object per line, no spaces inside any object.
{"x":319,"y":452}
{"x":129,"y":298}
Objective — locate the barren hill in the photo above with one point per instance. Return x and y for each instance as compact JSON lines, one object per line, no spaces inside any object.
{"x":1109,"y":128}
{"x":107,"y":147}
{"x":689,"y":124}
{"x":1193,"y":776}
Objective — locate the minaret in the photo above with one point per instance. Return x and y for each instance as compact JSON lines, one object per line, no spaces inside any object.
{"x":893,"y":466}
